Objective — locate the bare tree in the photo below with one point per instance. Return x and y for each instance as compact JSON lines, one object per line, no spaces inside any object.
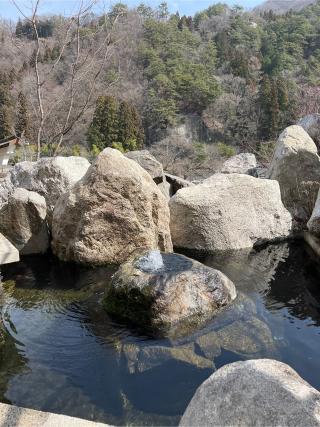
{"x":84,"y":54}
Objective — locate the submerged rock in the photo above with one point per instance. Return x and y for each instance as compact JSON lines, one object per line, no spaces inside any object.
{"x":240,"y":163}
{"x":49,"y":177}
{"x":228,"y":212}
{"x":251,"y":337}
{"x":23,"y":221}
{"x":141,"y":358}
{"x":163,"y":298}
{"x":114,"y":210}
{"x":296,"y":166}
{"x":260,"y":392}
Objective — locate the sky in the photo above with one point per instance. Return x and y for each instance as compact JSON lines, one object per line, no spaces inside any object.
{"x":66,"y":7}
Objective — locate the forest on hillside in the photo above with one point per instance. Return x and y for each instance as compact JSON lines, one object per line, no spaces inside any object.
{"x":193,"y":90}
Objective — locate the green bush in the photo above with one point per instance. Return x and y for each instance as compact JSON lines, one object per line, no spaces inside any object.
{"x":226,"y":150}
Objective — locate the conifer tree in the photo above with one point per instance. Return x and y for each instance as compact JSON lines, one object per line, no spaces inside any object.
{"x":130,"y":133}
{"x":5,"y":107}
{"x":103,"y":130}
{"x":22,"y":121}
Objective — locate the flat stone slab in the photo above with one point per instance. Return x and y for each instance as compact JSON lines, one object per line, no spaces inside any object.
{"x":8,"y":252}
{"x":14,"y":416}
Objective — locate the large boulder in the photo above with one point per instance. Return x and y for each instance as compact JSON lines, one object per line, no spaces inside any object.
{"x":23,"y":221}
{"x":148,"y":162}
{"x":261,"y":392}
{"x":296,"y":166}
{"x":311,"y":124}
{"x":115,"y":209}
{"x":228,"y":212}
{"x":241,"y":163}
{"x":50,"y":177}
{"x":167,"y":293}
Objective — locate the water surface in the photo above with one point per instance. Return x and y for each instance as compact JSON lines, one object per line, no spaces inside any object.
{"x":64,"y":354}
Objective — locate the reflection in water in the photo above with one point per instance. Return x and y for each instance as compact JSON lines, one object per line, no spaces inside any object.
{"x":63,"y":354}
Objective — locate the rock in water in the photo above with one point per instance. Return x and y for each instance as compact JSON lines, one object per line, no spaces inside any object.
{"x":241,"y":163}
{"x":114,"y":210}
{"x":296,"y":166}
{"x":261,"y":392}
{"x":169,"y":296}
{"x":23,"y":221}
{"x":228,"y":212}
{"x":148,"y":162}
{"x":49,"y":177}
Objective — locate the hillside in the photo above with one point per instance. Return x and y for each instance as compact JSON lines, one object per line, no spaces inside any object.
{"x":282,"y":6}
{"x":193,"y":90}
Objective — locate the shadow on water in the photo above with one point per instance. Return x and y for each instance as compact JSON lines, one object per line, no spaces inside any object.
{"x":63,"y":354}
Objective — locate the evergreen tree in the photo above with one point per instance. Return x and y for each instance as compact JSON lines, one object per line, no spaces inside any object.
{"x":22,"y":121}
{"x":115,"y":125}
{"x":5,"y":107}
{"x":130,"y":133}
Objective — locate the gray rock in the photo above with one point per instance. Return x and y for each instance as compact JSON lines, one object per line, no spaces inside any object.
{"x":228,"y":212}
{"x":311,"y":124}
{"x":296,"y":166}
{"x":148,"y":162}
{"x":252,"y":337}
{"x":240,"y":163}
{"x":260,"y":392}
{"x":8,"y":252}
{"x":314,"y":222}
{"x":114,"y":210}
{"x":23,"y":221}
{"x":180,"y":295}
{"x":49,"y":177}
{"x":141,"y":358}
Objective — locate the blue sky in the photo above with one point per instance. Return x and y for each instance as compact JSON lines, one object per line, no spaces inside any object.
{"x":188,"y":7}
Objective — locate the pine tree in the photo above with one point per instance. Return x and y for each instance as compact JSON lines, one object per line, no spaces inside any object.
{"x":22,"y":120}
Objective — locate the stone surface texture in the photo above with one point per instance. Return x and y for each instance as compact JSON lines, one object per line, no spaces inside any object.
{"x":50,"y":177}
{"x":162,"y":291}
{"x":114,"y":210}
{"x":261,"y":392}
{"x":23,"y":221}
{"x":8,"y":252}
{"x":228,"y":212}
{"x":15,"y":416}
{"x":148,"y":162}
{"x":296,"y":166}
{"x":240,"y":163}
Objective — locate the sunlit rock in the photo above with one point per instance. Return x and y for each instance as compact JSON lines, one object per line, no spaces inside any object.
{"x":162,"y":298}
{"x":296,"y":166}
{"x":114,"y":210}
{"x":228,"y":212}
{"x":23,"y":220}
{"x":260,"y":392}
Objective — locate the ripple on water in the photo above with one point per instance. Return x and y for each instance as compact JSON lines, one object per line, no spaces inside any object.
{"x":62,"y":345}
